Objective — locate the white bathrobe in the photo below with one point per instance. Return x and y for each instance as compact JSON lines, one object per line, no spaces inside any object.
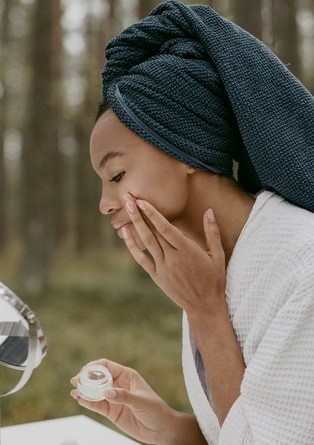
{"x":270,"y":295}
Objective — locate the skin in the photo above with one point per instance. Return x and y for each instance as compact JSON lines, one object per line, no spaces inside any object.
{"x":181,"y":225}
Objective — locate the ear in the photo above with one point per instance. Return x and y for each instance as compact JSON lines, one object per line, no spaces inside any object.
{"x":190,"y":170}
{"x":187,"y":169}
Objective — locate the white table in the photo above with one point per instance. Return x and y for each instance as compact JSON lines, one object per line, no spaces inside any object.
{"x":74,"y":430}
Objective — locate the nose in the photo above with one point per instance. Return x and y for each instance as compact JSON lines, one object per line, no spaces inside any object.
{"x":108,"y":203}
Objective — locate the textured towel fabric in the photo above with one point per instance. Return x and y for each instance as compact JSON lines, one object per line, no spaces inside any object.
{"x":205,"y":91}
{"x":270,"y":295}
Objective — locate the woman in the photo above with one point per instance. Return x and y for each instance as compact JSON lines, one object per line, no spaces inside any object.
{"x":187,"y":93}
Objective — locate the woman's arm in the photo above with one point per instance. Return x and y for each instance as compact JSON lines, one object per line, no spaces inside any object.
{"x":214,"y":334}
{"x":277,"y":390}
{"x":222,"y":358}
{"x":195,"y":281}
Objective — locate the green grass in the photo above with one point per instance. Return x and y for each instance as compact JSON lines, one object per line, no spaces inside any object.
{"x":100,"y":306}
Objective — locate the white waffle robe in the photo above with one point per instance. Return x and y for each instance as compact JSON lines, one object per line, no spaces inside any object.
{"x":270,"y":295}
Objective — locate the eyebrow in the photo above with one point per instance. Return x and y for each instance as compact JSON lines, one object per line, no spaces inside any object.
{"x":108,"y":156}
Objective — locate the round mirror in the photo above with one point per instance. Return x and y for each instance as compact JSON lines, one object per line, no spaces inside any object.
{"x":22,"y":342}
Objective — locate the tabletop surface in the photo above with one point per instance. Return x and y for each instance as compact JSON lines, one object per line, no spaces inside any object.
{"x":74,"y":430}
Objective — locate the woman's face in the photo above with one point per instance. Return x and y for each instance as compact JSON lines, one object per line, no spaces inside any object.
{"x":127,"y":163}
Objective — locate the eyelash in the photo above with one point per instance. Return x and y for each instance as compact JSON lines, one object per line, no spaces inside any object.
{"x":118,"y":177}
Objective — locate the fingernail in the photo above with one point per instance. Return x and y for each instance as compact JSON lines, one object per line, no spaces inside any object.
{"x":119,"y":233}
{"x":141,"y":204}
{"x":110,"y":393}
{"x":125,"y":233}
{"x":210,"y":215}
{"x":130,"y":206}
{"x":74,"y":394}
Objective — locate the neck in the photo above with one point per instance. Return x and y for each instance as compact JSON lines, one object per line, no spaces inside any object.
{"x":231,"y":206}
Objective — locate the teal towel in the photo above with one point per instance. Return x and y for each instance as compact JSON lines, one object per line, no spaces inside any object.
{"x":205,"y":91}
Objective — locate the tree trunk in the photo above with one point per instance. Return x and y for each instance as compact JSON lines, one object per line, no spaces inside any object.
{"x":111,"y":25}
{"x":4,"y":37}
{"x":57,"y":170}
{"x":40,"y":152}
{"x":285,"y":34}
{"x":88,"y":217}
{"x":308,"y":47}
{"x":248,"y":15}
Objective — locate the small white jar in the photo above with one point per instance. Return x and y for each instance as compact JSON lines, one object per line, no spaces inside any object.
{"x":92,"y":382}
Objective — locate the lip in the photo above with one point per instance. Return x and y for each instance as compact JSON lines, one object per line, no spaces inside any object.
{"x":119,"y":224}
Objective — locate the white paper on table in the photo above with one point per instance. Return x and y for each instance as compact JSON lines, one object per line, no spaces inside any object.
{"x":74,"y":430}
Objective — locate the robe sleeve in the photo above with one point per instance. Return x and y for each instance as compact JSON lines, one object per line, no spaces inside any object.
{"x":276,"y":402}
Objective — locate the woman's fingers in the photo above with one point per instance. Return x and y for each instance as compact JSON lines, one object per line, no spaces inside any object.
{"x":212,"y":234}
{"x":101,"y":407}
{"x":133,"y":399}
{"x":73,"y":381}
{"x":139,"y":255}
{"x":122,"y":376}
{"x":145,"y":232}
{"x":170,"y":233}
{"x":124,"y":393}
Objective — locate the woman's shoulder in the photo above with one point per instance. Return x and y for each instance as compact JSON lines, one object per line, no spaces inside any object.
{"x":281,"y":215}
{"x":277,"y":236}
{"x":291,"y":226}
{"x":276,"y":228}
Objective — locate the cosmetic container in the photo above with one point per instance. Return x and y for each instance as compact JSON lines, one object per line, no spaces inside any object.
{"x":92,"y":382}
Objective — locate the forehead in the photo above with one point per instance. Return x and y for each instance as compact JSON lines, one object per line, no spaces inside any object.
{"x":109,"y":135}
{"x":107,"y":131}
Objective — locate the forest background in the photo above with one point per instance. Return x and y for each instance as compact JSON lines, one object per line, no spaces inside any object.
{"x":56,"y":250}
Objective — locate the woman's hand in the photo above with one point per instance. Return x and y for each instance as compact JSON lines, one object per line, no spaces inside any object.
{"x":193,"y":278}
{"x":134,"y":407}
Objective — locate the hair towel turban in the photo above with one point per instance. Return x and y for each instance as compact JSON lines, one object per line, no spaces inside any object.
{"x":203,"y":90}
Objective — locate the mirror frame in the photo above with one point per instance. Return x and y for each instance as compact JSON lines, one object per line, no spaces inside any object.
{"x":37,"y":344}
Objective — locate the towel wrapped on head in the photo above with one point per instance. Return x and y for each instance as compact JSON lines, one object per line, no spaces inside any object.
{"x":203,"y":90}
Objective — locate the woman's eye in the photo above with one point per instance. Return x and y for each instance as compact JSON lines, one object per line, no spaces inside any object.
{"x":118,"y":177}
